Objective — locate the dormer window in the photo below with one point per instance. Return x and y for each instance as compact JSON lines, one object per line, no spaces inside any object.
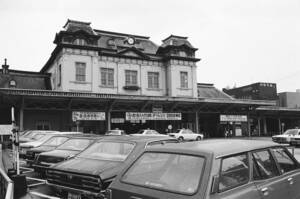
{"x":80,"y":42}
{"x":12,"y":83}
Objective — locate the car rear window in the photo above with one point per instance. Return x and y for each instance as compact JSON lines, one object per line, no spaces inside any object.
{"x":75,"y":144}
{"x":55,"y":141}
{"x":114,"y":151}
{"x":166,"y":171}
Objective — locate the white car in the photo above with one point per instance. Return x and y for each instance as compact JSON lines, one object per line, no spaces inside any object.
{"x":149,"y":132}
{"x":287,"y":136}
{"x":115,"y":132}
{"x":186,"y":134}
{"x":39,"y":139}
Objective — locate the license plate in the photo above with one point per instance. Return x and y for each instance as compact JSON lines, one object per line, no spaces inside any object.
{"x":73,"y":196}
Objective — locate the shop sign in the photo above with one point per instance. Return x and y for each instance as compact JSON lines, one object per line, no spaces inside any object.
{"x":152,"y":116}
{"x":233,"y":118}
{"x":80,"y":115}
{"x":117,"y":120}
{"x":157,"y":109}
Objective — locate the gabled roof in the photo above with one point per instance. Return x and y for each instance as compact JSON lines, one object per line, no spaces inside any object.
{"x":133,"y":52}
{"x":209,"y":91}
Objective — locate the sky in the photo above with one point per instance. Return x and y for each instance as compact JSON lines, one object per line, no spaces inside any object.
{"x":239,"y":42}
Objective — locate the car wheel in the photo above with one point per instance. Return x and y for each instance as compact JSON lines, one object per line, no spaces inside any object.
{"x":198,"y":138}
{"x":180,"y":139}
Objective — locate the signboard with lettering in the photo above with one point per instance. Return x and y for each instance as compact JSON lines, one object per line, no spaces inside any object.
{"x":233,"y":118}
{"x":152,"y":116}
{"x":157,"y":109}
{"x":117,"y":120}
{"x":80,"y":115}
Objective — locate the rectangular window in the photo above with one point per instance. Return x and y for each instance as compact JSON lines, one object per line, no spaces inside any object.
{"x":107,"y":77}
{"x":43,"y":125}
{"x":183,"y":79}
{"x":153,"y":81}
{"x":130,"y":78}
{"x":80,"y":71}
{"x":235,"y":171}
{"x":284,"y":160}
{"x":59,"y":75}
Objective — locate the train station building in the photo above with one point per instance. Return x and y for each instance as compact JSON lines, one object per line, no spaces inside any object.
{"x":96,"y":80}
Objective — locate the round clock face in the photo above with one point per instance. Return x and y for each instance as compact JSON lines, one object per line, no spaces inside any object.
{"x":130,"y":40}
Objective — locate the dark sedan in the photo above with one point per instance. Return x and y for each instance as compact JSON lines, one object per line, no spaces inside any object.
{"x":214,"y":169}
{"x":49,"y":145}
{"x":67,"y":150}
{"x":89,"y":174}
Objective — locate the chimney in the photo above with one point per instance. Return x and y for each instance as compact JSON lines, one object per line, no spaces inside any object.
{"x":5,"y":67}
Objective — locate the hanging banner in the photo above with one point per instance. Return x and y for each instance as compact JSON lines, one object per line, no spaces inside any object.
{"x":80,"y":115}
{"x":233,"y":118}
{"x":152,"y":116}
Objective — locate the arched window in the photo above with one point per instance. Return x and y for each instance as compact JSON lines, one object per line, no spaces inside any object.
{"x":12,"y":83}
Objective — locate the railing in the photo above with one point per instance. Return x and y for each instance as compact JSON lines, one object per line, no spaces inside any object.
{"x":6,"y":184}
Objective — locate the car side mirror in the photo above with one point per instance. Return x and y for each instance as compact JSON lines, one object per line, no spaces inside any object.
{"x":215,"y":184}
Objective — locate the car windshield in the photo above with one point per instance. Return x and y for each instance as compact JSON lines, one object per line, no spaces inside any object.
{"x":178,"y":130}
{"x":140,"y":132}
{"x":44,"y":138}
{"x":291,"y":132}
{"x":33,"y":134}
{"x":114,"y":151}
{"x":166,"y":171}
{"x":38,"y":136}
{"x":75,"y":144}
{"x":55,"y":141}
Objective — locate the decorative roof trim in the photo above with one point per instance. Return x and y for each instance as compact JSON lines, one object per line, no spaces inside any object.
{"x":78,"y":22}
{"x":120,"y":34}
{"x":175,"y":36}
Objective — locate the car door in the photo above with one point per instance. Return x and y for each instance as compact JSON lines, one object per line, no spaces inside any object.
{"x":269,"y":182}
{"x":290,"y":170}
{"x":234,"y":179}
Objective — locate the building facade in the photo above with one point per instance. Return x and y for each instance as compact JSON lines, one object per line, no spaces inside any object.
{"x":290,"y":99}
{"x":256,"y":91}
{"x":97,"y":80}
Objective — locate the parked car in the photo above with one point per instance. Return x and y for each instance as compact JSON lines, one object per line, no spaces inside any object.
{"x":39,"y":139}
{"x":186,"y":134}
{"x":150,"y":132}
{"x":65,"y":151}
{"x":212,"y":169}
{"x":115,"y":132}
{"x":90,"y":172}
{"x":30,"y":135}
{"x":49,"y":145}
{"x":285,"y":138}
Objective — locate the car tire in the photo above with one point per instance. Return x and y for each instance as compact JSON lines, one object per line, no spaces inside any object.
{"x":180,"y":139}
{"x":198,"y":138}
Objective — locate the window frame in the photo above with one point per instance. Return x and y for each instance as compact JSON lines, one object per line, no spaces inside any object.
{"x":289,"y":155}
{"x":184,"y":83}
{"x":131,"y":74}
{"x":107,"y":72}
{"x":273,"y":158}
{"x":152,"y":77}
{"x":220,"y":171}
{"x":59,"y":75}
{"x":78,"y":67}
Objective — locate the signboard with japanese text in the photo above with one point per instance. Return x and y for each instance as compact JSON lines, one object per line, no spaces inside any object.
{"x":233,"y":118}
{"x":80,"y":115}
{"x":152,"y":116}
{"x":117,"y":120}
